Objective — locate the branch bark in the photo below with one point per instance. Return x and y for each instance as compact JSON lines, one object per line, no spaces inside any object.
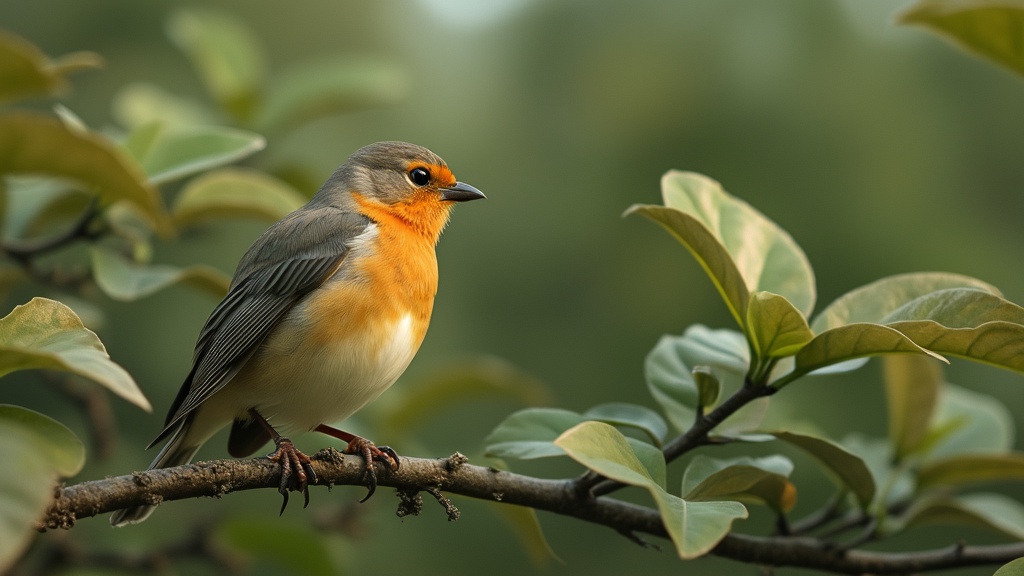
{"x":455,"y":476}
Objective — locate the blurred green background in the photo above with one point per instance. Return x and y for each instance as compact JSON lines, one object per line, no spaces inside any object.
{"x":882,"y":149}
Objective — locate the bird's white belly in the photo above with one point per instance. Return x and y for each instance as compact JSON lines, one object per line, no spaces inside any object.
{"x":298,"y":387}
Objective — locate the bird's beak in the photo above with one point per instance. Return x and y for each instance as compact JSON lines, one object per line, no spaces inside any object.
{"x":461,"y":192}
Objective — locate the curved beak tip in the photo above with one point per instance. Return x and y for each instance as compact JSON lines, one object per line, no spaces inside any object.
{"x":461,"y":192}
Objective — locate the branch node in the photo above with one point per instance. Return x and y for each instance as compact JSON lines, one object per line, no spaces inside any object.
{"x":449,"y":508}
{"x":411,"y":503}
{"x":455,"y":461}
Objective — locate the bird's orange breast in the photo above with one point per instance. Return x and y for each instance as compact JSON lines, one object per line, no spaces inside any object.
{"x":393,"y":277}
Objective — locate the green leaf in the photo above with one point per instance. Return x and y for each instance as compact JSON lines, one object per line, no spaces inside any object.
{"x":26,"y":71}
{"x":849,"y":342}
{"x":122,"y":280}
{"x":995,"y":512}
{"x":35,"y":144}
{"x":226,"y":53}
{"x":337,"y":86}
{"x":54,"y":442}
{"x":968,"y":422}
{"x":45,"y":334}
{"x":775,"y":327}
{"x":695,"y":527}
{"x":140,"y":104}
{"x":1012,"y":568}
{"x":765,"y":479}
{"x":851,"y":471}
{"x":708,"y":387}
{"x":289,"y":548}
{"x":992,"y":29}
{"x":36,"y":207}
{"x":670,"y":379}
{"x":912,"y":385}
{"x":235,"y":192}
{"x":877,"y":455}
{"x":467,"y":381}
{"x":35,"y":450}
{"x":971,"y":468}
{"x":176,"y":153}
{"x":632,"y":415}
{"x":874,"y":302}
{"x":740,"y":249}
{"x":965,"y":322}
{"x":531,"y":433}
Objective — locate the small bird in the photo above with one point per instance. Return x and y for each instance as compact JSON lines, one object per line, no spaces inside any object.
{"x":324,"y":313}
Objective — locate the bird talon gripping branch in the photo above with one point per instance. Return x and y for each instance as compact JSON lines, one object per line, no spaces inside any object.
{"x":324,"y":313}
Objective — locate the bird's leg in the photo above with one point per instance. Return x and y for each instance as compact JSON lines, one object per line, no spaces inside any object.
{"x":293,"y":463}
{"x":368,"y":450}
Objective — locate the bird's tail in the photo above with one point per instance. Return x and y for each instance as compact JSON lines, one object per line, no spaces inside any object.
{"x":175,"y":453}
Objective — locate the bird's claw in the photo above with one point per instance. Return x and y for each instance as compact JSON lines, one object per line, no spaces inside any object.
{"x":370,"y":453}
{"x":296,"y":471}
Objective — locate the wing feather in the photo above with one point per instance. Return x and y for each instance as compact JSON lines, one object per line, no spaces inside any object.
{"x":293,"y":257}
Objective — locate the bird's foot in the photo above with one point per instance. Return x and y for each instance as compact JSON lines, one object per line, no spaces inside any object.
{"x":370,"y":452}
{"x":296,"y":471}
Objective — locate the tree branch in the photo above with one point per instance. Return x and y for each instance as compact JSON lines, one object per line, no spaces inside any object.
{"x":455,"y":476}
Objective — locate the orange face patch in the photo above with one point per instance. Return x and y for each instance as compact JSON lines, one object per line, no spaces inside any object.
{"x":440,"y":175}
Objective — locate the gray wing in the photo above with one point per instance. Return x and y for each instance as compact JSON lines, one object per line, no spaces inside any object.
{"x":288,"y":261}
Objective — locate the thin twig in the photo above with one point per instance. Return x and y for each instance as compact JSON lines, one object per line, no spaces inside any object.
{"x":696,"y":436}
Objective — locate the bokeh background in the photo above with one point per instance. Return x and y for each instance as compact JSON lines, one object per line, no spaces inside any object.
{"x":882,"y":149}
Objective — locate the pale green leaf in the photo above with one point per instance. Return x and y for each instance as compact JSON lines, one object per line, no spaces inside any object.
{"x":227,"y":54}
{"x":26,"y":71}
{"x":45,"y":334}
{"x":37,"y":207}
{"x":992,"y":29}
{"x":849,"y":342}
{"x":63,"y":452}
{"x":668,"y":373}
{"x":632,"y":415}
{"x":35,"y":450}
{"x":740,"y":249}
{"x":122,"y":280}
{"x":912,"y":384}
{"x":765,"y":479}
{"x":235,"y":192}
{"x":874,"y":302}
{"x":995,"y":512}
{"x":290,"y":548}
{"x":340,"y":85}
{"x":140,"y":104}
{"x":176,"y":153}
{"x":708,"y":387}
{"x":851,"y":470}
{"x":965,"y":322}
{"x":530,"y":433}
{"x":32,"y":144}
{"x":877,"y":455}
{"x":775,"y":327}
{"x":968,"y":422}
{"x":970,"y":469}
{"x":695,"y":527}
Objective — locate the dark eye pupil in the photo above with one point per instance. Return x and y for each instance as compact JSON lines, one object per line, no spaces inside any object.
{"x":419,"y":176}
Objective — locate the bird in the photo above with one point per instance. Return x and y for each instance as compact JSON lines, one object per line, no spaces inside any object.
{"x":324,"y":312}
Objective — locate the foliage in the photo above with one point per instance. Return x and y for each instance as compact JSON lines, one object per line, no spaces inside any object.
{"x":948,"y":454}
{"x":913,"y":319}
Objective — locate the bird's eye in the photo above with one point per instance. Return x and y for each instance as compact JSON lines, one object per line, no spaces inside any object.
{"x":419,"y":176}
